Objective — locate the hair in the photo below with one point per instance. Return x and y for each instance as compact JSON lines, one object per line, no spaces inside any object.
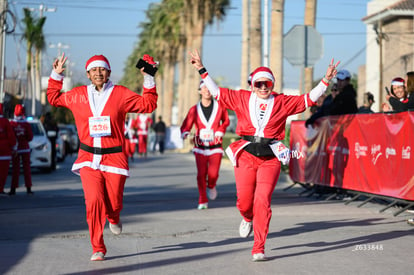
{"x":368,"y":97}
{"x":410,"y":82}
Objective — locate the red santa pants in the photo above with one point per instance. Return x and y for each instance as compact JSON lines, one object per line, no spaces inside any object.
{"x":256,"y":179}
{"x":26,"y":170}
{"x":4,"y":171}
{"x":103,"y":193}
{"x":207,"y":173}
{"x":142,"y":144}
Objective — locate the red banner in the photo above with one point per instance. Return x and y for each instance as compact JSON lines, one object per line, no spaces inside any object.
{"x":363,"y":152}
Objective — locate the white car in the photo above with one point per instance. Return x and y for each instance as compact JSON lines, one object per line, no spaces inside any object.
{"x":41,"y":153}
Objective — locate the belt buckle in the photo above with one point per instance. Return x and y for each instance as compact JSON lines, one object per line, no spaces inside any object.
{"x":256,"y":139}
{"x":97,"y":150}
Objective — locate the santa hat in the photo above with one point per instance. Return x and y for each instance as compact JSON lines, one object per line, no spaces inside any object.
{"x":398,"y":81}
{"x":262,"y":72}
{"x":19,"y":110}
{"x":97,"y":61}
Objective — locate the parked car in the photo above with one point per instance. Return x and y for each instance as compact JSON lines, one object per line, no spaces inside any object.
{"x":60,"y":149}
{"x":69,"y":135}
{"x":41,"y":148}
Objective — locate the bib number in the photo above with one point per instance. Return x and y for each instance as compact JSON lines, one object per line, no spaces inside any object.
{"x":206,"y":135}
{"x":100,"y":126}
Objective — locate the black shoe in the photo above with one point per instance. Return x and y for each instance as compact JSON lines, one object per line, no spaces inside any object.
{"x":29,"y":191}
{"x":12,"y":191}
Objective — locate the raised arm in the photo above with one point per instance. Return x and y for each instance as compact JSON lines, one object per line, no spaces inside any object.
{"x":198,"y":64}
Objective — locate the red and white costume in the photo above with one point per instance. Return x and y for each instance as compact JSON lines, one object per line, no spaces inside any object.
{"x":102,"y":163}
{"x":142,"y":124}
{"x":208,"y":140}
{"x":24,"y":135}
{"x":7,"y":142}
{"x":131,"y":139}
{"x":259,"y":119}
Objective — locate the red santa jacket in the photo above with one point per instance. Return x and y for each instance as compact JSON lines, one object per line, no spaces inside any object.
{"x":7,"y":139}
{"x":23,"y":133}
{"x":118,"y":102}
{"x":142,"y":124}
{"x":209,"y":133}
{"x":279,"y":107}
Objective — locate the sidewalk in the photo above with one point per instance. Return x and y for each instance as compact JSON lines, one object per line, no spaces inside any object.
{"x":164,"y":233}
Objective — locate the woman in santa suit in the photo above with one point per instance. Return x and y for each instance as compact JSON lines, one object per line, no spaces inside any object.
{"x":141,"y":125}
{"x":258,"y":155}
{"x":24,"y":135}
{"x":99,"y":110}
{"x":210,"y":121}
{"x":7,"y":142}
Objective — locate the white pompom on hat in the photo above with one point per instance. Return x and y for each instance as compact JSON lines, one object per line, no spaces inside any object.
{"x":97,"y":61}
{"x":262,"y":72}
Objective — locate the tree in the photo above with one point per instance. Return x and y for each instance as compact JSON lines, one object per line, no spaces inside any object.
{"x":173,"y":28}
{"x":33,"y":34}
{"x":276,"y":47}
{"x":255,"y":34}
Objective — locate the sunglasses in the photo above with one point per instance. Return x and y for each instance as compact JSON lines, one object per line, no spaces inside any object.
{"x":259,"y":84}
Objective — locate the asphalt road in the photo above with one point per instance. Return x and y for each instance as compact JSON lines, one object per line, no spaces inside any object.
{"x":164,"y":233}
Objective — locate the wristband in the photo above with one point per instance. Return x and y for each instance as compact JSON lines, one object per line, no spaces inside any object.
{"x":325,"y":80}
{"x":202,"y":71}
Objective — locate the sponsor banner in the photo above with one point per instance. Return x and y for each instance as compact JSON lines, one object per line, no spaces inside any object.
{"x":363,"y":152}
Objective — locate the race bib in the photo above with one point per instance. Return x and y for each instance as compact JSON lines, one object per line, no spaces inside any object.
{"x":281,"y":152}
{"x":99,"y":126}
{"x":206,"y":135}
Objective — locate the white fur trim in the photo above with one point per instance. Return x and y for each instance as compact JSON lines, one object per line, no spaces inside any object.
{"x":98,"y":63}
{"x":258,"y":75}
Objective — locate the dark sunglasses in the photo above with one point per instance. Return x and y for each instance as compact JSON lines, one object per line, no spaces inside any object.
{"x":259,"y":84}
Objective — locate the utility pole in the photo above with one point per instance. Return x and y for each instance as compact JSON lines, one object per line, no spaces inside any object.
{"x":310,"y":19}
{"x":3,"y":9}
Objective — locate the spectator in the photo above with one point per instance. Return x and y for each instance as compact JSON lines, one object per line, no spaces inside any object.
{"x":398,"y":97}
{"x":368,"y":101}
{"x":160,"y":130}
{"x":345,"y":101}
{"x":324,"y":110}
{"x":410,"y":89}
{"x":7,"y":142}
{"x":24,"y":135}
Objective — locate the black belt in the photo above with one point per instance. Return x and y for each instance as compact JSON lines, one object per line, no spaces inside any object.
{"x":256,"y":139}
{"x":101,"y":151}
{"x":208,"y":147}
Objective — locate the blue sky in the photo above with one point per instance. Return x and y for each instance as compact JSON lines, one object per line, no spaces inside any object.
{"x":111,"y":28}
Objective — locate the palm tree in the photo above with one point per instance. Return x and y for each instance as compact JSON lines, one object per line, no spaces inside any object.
{"x":276,"y":50}
{"x":255,"y":34}
{"x":245,"y":58}
{"x":33,"y":34}
{"x":39,"y":45}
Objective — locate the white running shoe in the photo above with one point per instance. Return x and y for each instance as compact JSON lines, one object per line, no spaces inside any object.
{"x":245,"y":229}
{"x":116,"y":229}
{"x":259,"y":257}
{"x":202,"y":206}
{"x":212,"y":193}
{"x":98,"y":256}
